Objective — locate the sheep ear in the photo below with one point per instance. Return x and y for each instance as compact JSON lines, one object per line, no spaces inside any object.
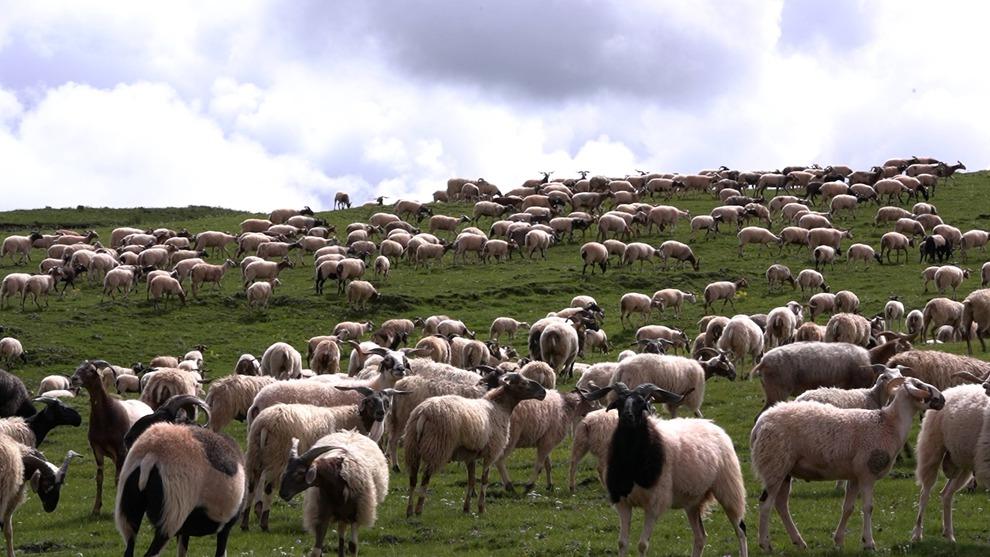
{"x":878,"y":369}
{"x":614,"y":404}
{"x":917,"y":393}
{"x":894,"y":383}
{"x":365,"y":391}
{"x":310,"y":475}
{"x":35,"y":480}
{"x":598,"y":393}
{"x":415,"y":352}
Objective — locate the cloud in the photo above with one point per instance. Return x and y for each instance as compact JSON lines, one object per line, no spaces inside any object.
{"x":257,"y":105}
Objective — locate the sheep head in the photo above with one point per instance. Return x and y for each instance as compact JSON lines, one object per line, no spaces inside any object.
{"x":299,"y":472}
{"x":45,"y":481}
{"x":634,"y":406}
{"x":719,"y":364}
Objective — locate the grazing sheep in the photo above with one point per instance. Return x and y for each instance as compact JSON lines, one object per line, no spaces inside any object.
{"x":281,"y":361}
{"x":349,"y":477}
{"x":451,"y":427}
{"x":673,"y":298}
{"x":359,"y":292}
{"x":205,"y":272}
{"x":846,"y":301}
{"x":809,"y":279}
{"x":941,"y":369}
{"x":869,"y":398}
{"x":707,"y":223}
{"x":723,"y":290}
{"x":560,"y":344}
{"x":165,"y":287}
{"x":950,"y":276}
{"x":814,"y":441}
{"x":162,"y":384}
{"x":593,"y":434}
{"x":893,"y":313}
{"x":259,"y":294}
{"x":824,"y":255}
{"x":594,"y":253}
{"x":505,"y":325}
{"x":681,"y":252}
{"x":672,"y":337}
{"x":976,"y":318}
{"x":848,"y":327}
{"x":778,"y":274}
{"x":782,"y":323}
{"x":10,"y":350}
{"x":659,"y":465}
{"x":634,"y":302}
{"x":810,"y":332}
{"x":862,"y":252}
{"x":263,"y":270}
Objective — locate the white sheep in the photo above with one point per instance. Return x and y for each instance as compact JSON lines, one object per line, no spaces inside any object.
{"x":893,"y":314}
{"x":673,"y":298}
{"x":672,"y":249}
{"x":809,"y":279}
{"x":359,"y":292}
{"x":741,"y":337}
{"x":165,"y":287}
{"x":846,"y":301}
{"x":950,"y":276}
{"x":757,"y":235}
{"x":505,"y":325}
{"x":634,"y":302}
{"x":895,"y":242}
{"x":814,"y":441}
{"x":448,"y":428}
{"x":861,"y":252}
{"x":674,"y":373}
{"x":593,"y":434}
{"x":281,"y":361}
{"x":848,"y":327}
{"x":230,"y":397}
{"x":777,"y":274}
{"x":11,"y":349}
{"x":259,"y":269}
{"x":594,"y":253}
{"x":938,"y":312}
{"x":976,"y":318}
{"x":782,"y":323}
{"x":259,"y":293}
{"x":723,"y":290}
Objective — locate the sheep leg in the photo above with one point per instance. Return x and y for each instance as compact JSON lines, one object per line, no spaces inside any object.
{"x":413,"y":473}
{"x":848,"y":504}
{"x":503,"y":472}
{"x":157,"y":544}
{"x":182,"y":545}
{"x":625,"y":518}
{"x":485,"y":469}
{"x":8,"y":535}
{"x":781,"y":503}
{"x":422,"y":493}
{"x":698,"y":527}
{"x":471,"y":464}
{"x":353,"y":545}
{"x":222,"y":536}
{"x":950,"y":489}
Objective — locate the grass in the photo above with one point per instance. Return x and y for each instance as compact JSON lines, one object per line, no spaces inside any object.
{"x":80,"y":326}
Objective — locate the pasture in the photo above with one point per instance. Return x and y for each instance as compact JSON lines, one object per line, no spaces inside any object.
{"x":80,"y":326}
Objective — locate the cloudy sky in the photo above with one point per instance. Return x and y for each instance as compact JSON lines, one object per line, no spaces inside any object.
{"x":256,"y":103}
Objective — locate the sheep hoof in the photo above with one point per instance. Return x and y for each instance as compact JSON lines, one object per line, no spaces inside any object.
{"x":509,"y":488}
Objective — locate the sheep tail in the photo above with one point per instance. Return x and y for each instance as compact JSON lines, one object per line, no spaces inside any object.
{"x":757,"y":370}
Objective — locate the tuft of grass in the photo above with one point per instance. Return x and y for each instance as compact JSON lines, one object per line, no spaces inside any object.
{"x":79,"y":326}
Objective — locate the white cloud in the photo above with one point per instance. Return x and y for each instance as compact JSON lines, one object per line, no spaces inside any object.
{"x":256,"y":105}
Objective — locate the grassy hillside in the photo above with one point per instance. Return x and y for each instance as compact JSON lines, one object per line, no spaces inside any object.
{"x":80,"y":326}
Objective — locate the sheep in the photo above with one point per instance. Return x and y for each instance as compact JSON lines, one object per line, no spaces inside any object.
{"x":976,"y":317}
{"x":20,"y":465}
{"x":868,"y":398}
{"x":325,"y":358}
{"x":676,"y":373}
{"x":757,"y":235}
{"x":950,"y":276}
{"x":707,"y":223}
{"x":350,"y":477}
{"x":33,"y":430}
{"x":560,"y":344}
{"x":163,"y":384}
{"x":846,"y":301}
{"x":445,"y":223}
{"x":938,"y":312}
{"x":814,"y":441}
{"x":723,"y":290}
{"x":11,"y":350}
{"x":914,"y":322}
{"x":672,"y":249}
{"x":663,"y":216}
{"x":205,"y":272}
{"x":948,"y":440}
{"x":673,"y":298}
{"x":230,"y":397}
{"x":109,"y":421}
{"x":741,"y":337}
{"x":319,"y":392}
{"x":611,"y":222}
{"x":382,"y":267}
{"x":20,"y":246}
{"x":862,"y":252}
{"x":215,"y":240}
{"x":359,"y":292}
{"x":821,"y":303}
{"x":281,"y":361}
{"x":674,"y":338}
{"x":542,"y":424}
{"x":638,"y":251}
{"x":165,"y":287}
{"x":258,"y":294}
{"x":450,"y":427}
{"x":824,"y":255}
{"x":809,"y":279}
{"x":941,"y":369}
{"x":777,"y":274}
{"x":272,"y":431}
{"x":809,"y":332}
{"x":893,"y":313}
{"x":594,"y":253}
{"x":435,"y":348}
{"x":189,"y":480}
{"x":658,"y":465}
{"x":848,"y":327}
{"x":928,"y":275}
{"x":54,"y":383}
{"x":793,"y":235}
{"x":974,"y":239}
{"x":634,"y":302}
{"x":953,"y":236}
{"x":782,"y":323}
{"x":895,"y":242}
{"x":448,"y":327}
{"x":263,"y":270}
{"x":279,"y":216}
{"x":593,"y":434}
{"x":505,"y":325}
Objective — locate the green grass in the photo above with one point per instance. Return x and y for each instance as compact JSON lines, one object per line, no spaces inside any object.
{"x":79,"y":326}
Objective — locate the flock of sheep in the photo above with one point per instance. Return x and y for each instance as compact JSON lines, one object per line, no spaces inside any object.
{"x":333,"y":431}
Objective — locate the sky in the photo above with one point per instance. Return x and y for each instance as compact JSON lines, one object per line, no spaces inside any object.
{"x":257,"y":104}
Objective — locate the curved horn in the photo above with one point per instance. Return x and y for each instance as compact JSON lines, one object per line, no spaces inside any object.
{"x":294,"y":449}
{"x":365,"y":391}
{"x":64,"y":468}
{"x":177,"y":402}
{"x":47,"y":400}
{"x":600,"y":393}
{"x":393,"y":392}
{"x":707,"y":349}
{"x":378,"y":351}
{"x":968,"y":376}
{"x":649,"y":390}
{"x":309,"y":456}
